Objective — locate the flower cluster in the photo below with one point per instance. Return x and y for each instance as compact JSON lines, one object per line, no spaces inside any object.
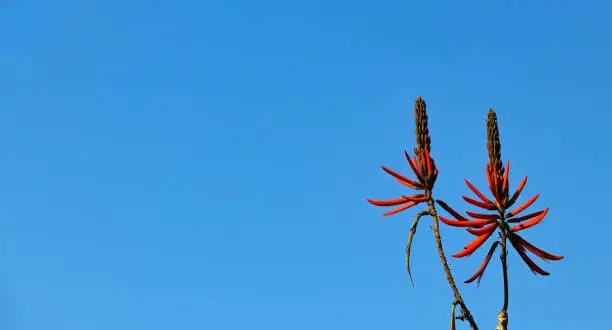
{"x":483,"y":225}
{"x":500,"y":213}
{"x":422,"y":165}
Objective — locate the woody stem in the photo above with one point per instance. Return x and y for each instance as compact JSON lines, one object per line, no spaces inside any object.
{"x":449,"y":277}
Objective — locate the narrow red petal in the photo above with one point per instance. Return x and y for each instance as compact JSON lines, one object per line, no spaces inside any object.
{"x":483,"y":216}
{"x":483,"y":266}
{"x":428,"y":161}
{"x":473,"y":246}
{"x":462,"y":223}
{"x":532,"y":265}
{"x":402,"y":178}
{"x":516,"y":195}
{"x":415,"y":167}
{"x":524,"y":217}
{"x":487,"y":206}
{"x":492,"y":180}
{"x":416,"y":198}
{"x":506,"y":175}
{"x":410,"y":185}
{"x":530,"y":223}
{"x":451,"y":211}
{"x":484,"y":230}
{"x":400,"y":209}
{"x":522,"y":207}
{"x":489,"y":179}
{"x":389,"y":202}
{"x":535,"y":250}
{"x":477,"y":192}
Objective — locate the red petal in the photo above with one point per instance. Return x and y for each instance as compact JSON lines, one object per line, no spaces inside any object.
{"x":518,"y":192}
{"x":492,"y":179}
{"x":522,"y":207}
{"x":506,"y":174}
{"x":473,"y":246}
{"x":415,"y":167}
{"x":402,"y":178}
{"x":462,"y":223}
{"x":483,"y":216}
{"x":530,"y":223}
{"x":532,"y":265}
{"x":483,"y":266}
{"x":428,"y":161}
{"x":417,"y":198}
{"x":524,"y":217}
{"x":451,"y":211}
{"x":484,"y":230}
{"x":400,"y":209}
{"x":487,"y":206}
{"x":538,"y":252}
{"x":477,"y":192}
{"x":389,"y":202}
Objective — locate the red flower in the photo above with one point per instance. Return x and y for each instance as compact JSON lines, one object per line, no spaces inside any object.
{"x":423,"y":166}
{"x":425,"y":171}
{"x":483,"y":225}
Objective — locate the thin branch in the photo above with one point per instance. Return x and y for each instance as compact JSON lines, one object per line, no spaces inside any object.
{"x":465,"y":312}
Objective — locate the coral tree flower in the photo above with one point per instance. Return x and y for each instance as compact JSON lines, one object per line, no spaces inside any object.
{"x":425,"y":172}
{"x":422,"y":165}
{"x":508,"y":221}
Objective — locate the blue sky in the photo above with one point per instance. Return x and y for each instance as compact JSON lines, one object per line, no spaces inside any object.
{"x":204,"y":165}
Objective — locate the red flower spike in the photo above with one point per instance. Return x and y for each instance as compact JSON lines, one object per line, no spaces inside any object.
{"x":390,"y":202}
{"x":400,"y":209}
{"x":533,"y":249}
{"x":461,"y":223}
{"x":483,"y":216}
{"x":483,"y":266}
{"x":522,"y":207}
{"x":499,"y":186}
{"x":487,"y":206}
{"x":473,"y":246}
{"x":484,"y":230}
{"x":477,"y":192}
{"x":530,"y":223}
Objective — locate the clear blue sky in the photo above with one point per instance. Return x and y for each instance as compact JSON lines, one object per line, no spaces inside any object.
{"x":204,"y":165}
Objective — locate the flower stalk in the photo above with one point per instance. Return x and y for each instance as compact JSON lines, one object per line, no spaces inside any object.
{"x":500,"y":214}
{"x":426,"y":172}
{"x":484,"y":225}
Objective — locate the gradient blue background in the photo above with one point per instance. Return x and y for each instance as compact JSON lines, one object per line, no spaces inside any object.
{"x":204,"y":165}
